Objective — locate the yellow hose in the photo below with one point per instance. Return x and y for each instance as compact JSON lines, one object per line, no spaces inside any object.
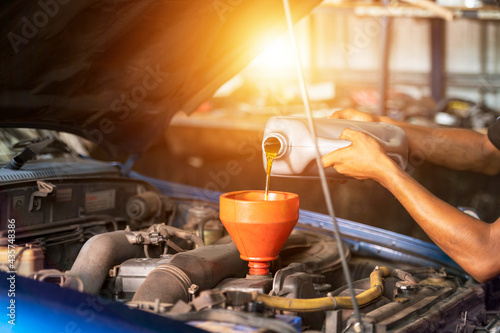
{"x":329,"y":303}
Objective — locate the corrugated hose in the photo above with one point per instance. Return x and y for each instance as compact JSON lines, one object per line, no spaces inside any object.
{"x":329,"y":303}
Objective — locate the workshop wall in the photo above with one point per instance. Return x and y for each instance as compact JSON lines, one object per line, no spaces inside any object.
{"x":347,"y":44}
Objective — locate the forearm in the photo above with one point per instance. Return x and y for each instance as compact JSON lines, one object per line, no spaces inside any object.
{"x":468,"y":241}
{"x":471,"y":243}
{"x":458,"y":149}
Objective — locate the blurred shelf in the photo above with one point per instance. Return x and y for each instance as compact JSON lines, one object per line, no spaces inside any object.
{"x":372,"y":9}
{"x":421,"y":79}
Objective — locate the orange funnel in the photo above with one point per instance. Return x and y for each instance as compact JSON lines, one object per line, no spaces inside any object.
{"x":259,"y":228}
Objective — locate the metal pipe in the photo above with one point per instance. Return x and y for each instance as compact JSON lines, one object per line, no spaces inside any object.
{"x":173,"y":231}
{"x":403,"y":275}
{"x":438,"y":57}
{"x":98,"y":255}
{"x":442,"y":12}
{"x":386,"y":23}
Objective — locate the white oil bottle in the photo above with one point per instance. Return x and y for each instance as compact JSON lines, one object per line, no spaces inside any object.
{"x":296,"y":156}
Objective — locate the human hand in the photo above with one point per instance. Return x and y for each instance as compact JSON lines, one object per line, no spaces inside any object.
{"x":353,"y":114}
{"x":364,"y":158}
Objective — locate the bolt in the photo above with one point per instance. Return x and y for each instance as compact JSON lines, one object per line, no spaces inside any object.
{"x":193,"y":289}
{"x":358,"y":327}
{"x":139,"y":239}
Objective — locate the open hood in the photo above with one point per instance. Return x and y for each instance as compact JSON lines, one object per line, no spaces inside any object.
{"x":116,"y":71}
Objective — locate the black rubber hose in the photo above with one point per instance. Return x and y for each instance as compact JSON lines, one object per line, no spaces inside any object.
{"x":166,"y":283}
{"x":234,"y":317}
{"x":98,"y":255}
{"x":201,"y":225}
{"x":205,"y":267}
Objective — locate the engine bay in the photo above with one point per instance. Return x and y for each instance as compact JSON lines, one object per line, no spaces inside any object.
{"x":163,"y":249}
{"x":90,"y":246}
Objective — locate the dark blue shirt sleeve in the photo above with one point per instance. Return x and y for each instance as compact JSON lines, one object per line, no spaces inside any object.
{"x":494,"y":133}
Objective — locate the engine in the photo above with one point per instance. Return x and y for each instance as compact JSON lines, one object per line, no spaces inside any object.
{"x":125,"y":242}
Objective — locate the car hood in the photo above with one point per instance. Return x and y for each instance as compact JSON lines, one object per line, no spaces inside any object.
{"x":116,"y":71}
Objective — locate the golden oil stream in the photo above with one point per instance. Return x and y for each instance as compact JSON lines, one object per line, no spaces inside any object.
{"x":271,"y":147}
{"x":270,"y":158}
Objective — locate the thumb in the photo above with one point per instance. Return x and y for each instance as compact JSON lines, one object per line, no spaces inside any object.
{"x":349,"y":134}
{"x":335,"y":115}
{"x":340,"y":114}
{"x":328,"y":160}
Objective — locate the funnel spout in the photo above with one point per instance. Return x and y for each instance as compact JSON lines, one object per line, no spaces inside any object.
{"x":258,"y":267}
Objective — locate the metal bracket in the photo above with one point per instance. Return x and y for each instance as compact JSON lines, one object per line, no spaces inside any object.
{"x":281,"y":275}
{"x":44,"y":189}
